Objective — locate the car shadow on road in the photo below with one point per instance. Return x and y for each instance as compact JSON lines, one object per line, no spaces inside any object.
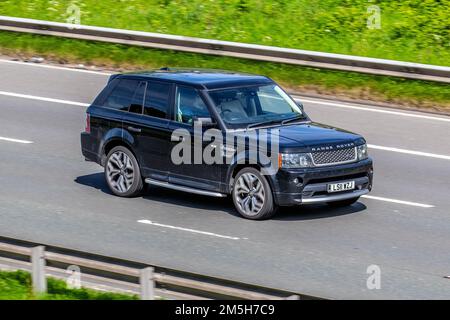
{"x":95,"y":180}
{"x":319,"y":211}
{"x":164,"y":195}
{"x":168,"y":196}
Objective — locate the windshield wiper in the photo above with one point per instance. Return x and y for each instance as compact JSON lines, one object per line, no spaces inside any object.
{"x":258,"y":124}
{"x":298,"y":117}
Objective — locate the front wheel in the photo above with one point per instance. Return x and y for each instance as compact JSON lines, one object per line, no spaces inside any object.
{"x":122,"y":173}
{"x":252,"y":196}
{"x":343,"y":203}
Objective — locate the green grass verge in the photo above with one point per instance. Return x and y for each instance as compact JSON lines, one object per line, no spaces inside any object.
{"x":410,"y":30}
{"x":17,"y":286}
{"x":307,"y":80}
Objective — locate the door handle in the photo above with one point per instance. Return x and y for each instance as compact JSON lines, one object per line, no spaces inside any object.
{"x":133,"y":129}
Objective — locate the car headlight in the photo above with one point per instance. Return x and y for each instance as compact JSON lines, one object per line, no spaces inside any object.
{"x":362,"y":152}
{"x":296,"y":160}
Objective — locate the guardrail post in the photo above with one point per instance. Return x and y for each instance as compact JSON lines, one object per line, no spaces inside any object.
{"x":38,"y":270}
{"x":147,"y":283}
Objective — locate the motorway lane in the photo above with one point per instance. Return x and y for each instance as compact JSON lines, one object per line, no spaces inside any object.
{"x":48,"y":194}
{"x":380,"y":129}
{"x":387,"y":130}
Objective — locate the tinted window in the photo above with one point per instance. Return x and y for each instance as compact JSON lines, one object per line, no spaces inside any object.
{"x":157,"y":99}
{"x":137,"y":102}
{"x":189,"y":104}
{"x":120,"y":97}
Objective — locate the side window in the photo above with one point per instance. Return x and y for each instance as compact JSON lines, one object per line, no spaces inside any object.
{"x":157,"y":99}
{"x":137,"y":103}
{"x":189,"y":104}
{"x":121,"y":95}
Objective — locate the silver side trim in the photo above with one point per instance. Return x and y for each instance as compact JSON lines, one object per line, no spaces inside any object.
{"x":336,"y":197}
{"x":184,"y":189}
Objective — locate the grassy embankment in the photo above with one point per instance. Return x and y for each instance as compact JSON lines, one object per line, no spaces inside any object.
{"x":17,"y":286}
{"x":413,"y":30}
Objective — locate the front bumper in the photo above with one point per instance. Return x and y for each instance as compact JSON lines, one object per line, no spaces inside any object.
{"x":309,"y":185}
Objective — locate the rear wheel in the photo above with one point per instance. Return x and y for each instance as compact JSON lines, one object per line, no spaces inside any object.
{"x":252,"y":196}
{"x":343,"y":203}
{"x":122,"y":173}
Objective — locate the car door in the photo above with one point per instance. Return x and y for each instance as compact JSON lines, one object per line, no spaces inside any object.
{"x":189,"y":105}
{"x":147,"y":123}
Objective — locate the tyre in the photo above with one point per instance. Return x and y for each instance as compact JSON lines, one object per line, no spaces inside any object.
{"x":122,"y":173}
{"x":343,"y":203}
{"x":252,"y":196}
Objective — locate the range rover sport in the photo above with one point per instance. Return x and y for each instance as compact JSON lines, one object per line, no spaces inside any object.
{"x":130,"y":132}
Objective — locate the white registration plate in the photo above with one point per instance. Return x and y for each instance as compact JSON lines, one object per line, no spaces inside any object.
{"x":341,"y":186}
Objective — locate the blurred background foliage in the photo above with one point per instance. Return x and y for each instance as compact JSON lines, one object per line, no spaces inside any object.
{"x":411,"y":30}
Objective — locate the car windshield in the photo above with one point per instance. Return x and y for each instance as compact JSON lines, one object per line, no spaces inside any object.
{"x":254,"y":105}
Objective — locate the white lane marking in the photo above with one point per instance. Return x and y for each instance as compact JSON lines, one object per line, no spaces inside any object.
{"x":27,"y":96}
{"x":408,"y":203}
{"x":416,"y":153}
{"x":30,"y":64}
{"x":323,"y":102}
{"x":398,"y":113}
{"x":15,"y":140}
{"x":188,"y":230}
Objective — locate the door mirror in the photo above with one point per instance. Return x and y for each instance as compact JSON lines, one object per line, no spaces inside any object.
{"x":300,"y":105}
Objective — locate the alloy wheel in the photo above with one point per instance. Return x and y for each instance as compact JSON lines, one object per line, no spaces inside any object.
{"x":249,"y":194}
{"x":120,"y":171}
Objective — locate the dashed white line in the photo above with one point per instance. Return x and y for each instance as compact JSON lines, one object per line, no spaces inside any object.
{"x":408,"y":203}
{"x":371,"y":109}
{"x":416,"y":153}
{"x":15,"y":140}
{"x":188,"y":230}
{"x":81,"y":104}
{"x":27,"y":96}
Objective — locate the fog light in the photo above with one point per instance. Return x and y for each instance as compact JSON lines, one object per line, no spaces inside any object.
{"x":295,"y":180}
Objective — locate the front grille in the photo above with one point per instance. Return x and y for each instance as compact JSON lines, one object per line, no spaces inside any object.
{"x":334,"y":157}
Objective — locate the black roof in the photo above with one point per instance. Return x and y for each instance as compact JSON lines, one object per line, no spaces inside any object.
{"x":201,"y":78}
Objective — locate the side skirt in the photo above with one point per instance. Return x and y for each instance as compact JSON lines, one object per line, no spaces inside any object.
{"x":184,"y":189}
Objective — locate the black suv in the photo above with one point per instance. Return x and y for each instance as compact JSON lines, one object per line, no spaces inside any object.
{"x":142,"y":124}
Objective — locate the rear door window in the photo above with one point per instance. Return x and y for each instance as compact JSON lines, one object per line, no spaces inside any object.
{"x":137,"y":103}
{"x":121,"y":95}
{"x":157,"y":99}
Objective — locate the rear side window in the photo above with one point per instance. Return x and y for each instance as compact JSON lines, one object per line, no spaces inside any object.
{"x":121,"y":95}
{"x":157,"y":99}
{"x":137,"y":103}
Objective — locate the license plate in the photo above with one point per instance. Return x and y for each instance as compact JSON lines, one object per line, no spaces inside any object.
{"x":341,"y":186}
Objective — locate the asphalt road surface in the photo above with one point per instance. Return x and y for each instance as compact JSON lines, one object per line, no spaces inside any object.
{"x":49,"y":194}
